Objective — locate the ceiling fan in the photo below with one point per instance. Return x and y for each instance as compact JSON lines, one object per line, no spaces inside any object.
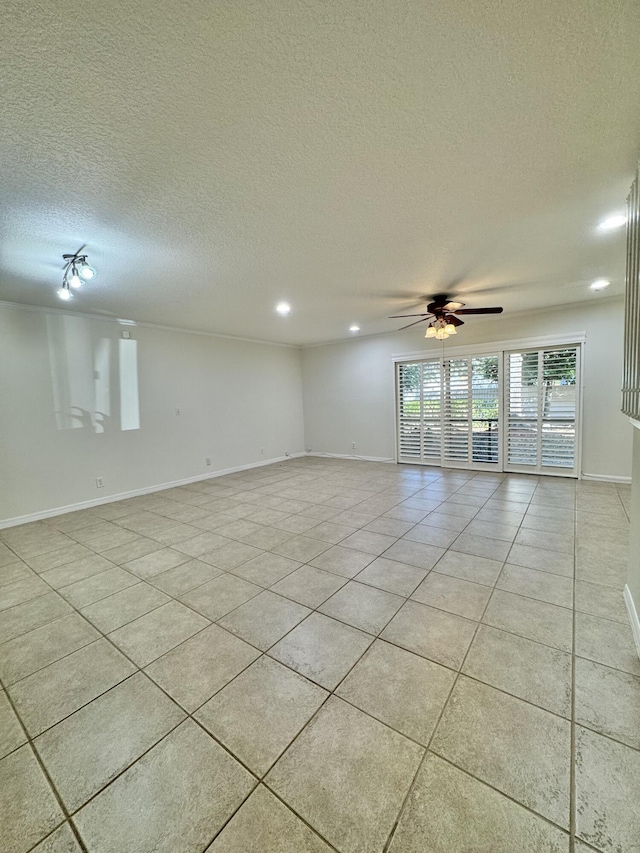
{"x":444,"y":312}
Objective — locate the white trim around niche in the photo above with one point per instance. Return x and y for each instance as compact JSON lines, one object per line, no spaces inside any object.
{"x":495,"y":346}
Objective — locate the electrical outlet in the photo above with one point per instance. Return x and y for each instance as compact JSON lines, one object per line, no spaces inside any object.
{"x":262,"y":451}
{"x":177,"y":411}
{"x":208,"y":460}
{"x":353,"y":445}
{"x":99,"y":482}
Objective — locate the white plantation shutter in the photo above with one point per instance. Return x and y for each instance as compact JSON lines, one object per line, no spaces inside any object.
{"x":541,"y":393}
{"x":431,"y":411}
{"x":457,"y":410}
{"x":448,"y":412}
{"x":410,"y":411}
{"x":485,"y":393}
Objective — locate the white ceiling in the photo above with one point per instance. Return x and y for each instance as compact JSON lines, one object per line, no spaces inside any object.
{"x":349,"y":157}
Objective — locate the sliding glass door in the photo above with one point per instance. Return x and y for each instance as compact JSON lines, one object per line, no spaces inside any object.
{"x":511,"y":411}
{"x":448,"y":412}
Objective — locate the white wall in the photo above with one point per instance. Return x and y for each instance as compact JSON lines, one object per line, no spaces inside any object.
{"x":234,"y":397}
{"x":349,"y":387}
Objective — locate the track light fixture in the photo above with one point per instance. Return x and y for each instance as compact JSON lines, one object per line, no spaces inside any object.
{"x":76,"y":271}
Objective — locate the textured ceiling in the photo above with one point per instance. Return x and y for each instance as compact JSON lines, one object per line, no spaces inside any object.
{"x":349,"y":157}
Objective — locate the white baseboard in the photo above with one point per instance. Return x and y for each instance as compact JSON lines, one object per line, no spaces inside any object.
{"x":348,"y":456}
{"x":134,"y":493}
{"x":606,"y":478}
{"x":633,"y":617}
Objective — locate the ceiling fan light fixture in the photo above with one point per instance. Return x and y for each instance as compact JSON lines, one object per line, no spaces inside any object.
{"x":450,"y":329}
{"x":76,"y":270}
{"x":431,"y":332}
{"x":74,"y":279}
{"x":453,"y":306}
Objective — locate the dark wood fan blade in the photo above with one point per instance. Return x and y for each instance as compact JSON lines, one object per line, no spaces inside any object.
{"x":399,"y":316}
{"x":478,"y":311}
{"x":413,"y":324}
{"x":454,"y":320}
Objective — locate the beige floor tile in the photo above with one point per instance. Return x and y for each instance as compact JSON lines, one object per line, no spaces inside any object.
{"x":264,"y":619}
{"x":347,"y":776}
{"x":405,"y":513}
{"x":542,"y":559}
{"x":368,"y":542}
{"x":258,"y":714}
{"x":309,"y":586}
{"x":453,"y":594}
{"x":392,"y":576}
{"x":414,"y":554}
{"x":200,"y":544}
{"x":535,"y":620}
{"x":469,"y":567}
{"x":184,"y":578}
{"x":266,"y":569}
{"x":19,"y":591}
{"x":132,"y":551}
{"x":11,"y":732}
{"x":202,"y":665}
{"x":481,"y":546}
{"x":78,"y":570}
{"x":362,"y":606}
{"x":607,"y":642}
{"x":98,"y":529}
{"x":188,"y":777}
{"x":500,"y":516}
{"x":327,"y":531}
{"x":450,"y":812}
{"x":41,"y":545}
{"x":237,"y":529}
{"x":551,"y":525}
{"x":61,"y":841}
{"x":429,"y":534}
{"x":86,"y":751}
{"x":601,"y":600}
{"x":491,"y":529}
{"x":516,"y":747}
{"x":16,"y":571}
{"x":175,"y":534}
{"x":607,"y":793}
{"x":122,"y":607}
{"x":398,"y":688}
{"x":394,"y":527}
{"x":68,"y":554}
{"x":295,"y":524}
{"x":28,"y":807}
{"x":601,"y":570}
{"x":547,"y":539}
{"x":52,"y":693}
{"x":446,"y":521}
{"x":267,"y":538}
{"x":33,"y":651}
{"x":301,"y":548}
{"x":156,"y":562}
{"x":221,"y":595}
{"x":153,"y":634}
{"x":230,"y":556}
{"x":528,"y":670}
{"x":342,"y":561}
{"x":533,"y":583}
{"x":118,"y":536}
{"x":322,"y":649}
{"x":85,"y":592}
{"x":434,"y":634}
{"x":265,"y":824}
{"x":31,"y":614}
{"x":608,"y":701}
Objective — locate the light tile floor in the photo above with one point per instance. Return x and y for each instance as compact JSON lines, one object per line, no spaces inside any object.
{"x":396,"y":665}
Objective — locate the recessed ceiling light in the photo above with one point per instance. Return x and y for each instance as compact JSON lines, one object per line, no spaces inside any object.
{"x":283,"y":308}
{"x":599,"y":284}
{"x":354,"y":328}
{"x":616,"y":220}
